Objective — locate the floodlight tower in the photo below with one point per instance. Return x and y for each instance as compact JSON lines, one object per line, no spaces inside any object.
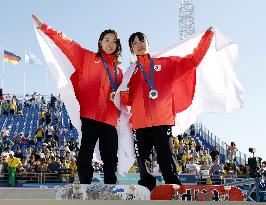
{"x":186,"y":19}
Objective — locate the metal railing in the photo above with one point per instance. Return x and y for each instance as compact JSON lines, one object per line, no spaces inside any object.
{"x":23,"y":178}
{"x":213,"y":140}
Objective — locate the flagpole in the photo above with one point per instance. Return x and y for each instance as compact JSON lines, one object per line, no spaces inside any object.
{"x":46,"y":77}
{"x":46,"y":81}
{"x":24,"y":76}
{"x":3,"y":71}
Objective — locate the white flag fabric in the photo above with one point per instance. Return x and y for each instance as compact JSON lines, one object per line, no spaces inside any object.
{"x":32,"y":59}
{"x":61,"y":70}
{"x":217,"y":88}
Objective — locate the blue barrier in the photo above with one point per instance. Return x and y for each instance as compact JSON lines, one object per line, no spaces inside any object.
{"x":131,"y":178}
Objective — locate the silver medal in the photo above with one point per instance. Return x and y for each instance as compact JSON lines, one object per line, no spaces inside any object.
{"x":153,"y":94}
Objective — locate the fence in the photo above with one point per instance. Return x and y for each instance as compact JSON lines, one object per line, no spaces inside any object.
{"x":222,"y":147}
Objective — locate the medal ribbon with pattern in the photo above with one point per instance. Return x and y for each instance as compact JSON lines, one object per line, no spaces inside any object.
{"x":113,"y":82}
{"x":153,"y":94}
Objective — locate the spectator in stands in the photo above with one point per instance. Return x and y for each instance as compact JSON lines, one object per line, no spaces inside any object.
{"x":232,"y":170}
{"x":42,"y":102}
{"x":180,"y":167}
{"x":59,"y":101}
{"x":27,"y":100}
{"x":18,"y":154}
{"x":205,"y":156}
{"x":6,"y":107}
{"x":216,"y":169}
{"x":1,"y":104}
{"x":6,"y":142}
{"x":8,"y":97}
{"x":186,"y":139}
{"x":6,"y":151}
{"x":176,"y":146}
{"x":198,"y":145}
{"x":49,"y":131}
{"x":186,"y":155}
{"x":3,"y":165}
{"x":192,"y":130}
{"x":192,"y":144}
{"x":1,"y":96}
{"x":6,"y":131}
{"x":19,"y":111}
{"x":70,"y":125}
{"x":54,"y":165}
{"x":231,"y":152}
{"x":56,"y":116}
{"x":194,"y":154}
{"x":27,"y":153}
{"x":24,"y":162}
{"x":13,"y":163}
{"x":32,"y":141}
{"x":262,"y":171}
{"x":53,"y":101}
{"x":62,"y":147}
{"x":33,"y":99}
{"x":63,"y":134}
{"x":24,"y":142}
{"x":64,"y":163}
{"x":13,"y":106}
{"x":1,"y":143}
{"x":215,"y":153}
{"x":47,"y":117}
{"x":243,"y":173}
{"x":205,"y":169}
{"x":192,"y":167}
{"x":41,"y":117}
{"x":42,"y":165}
{"x":71,"y":144}
{"x":50,"y":141}
{"x":39,"y":134}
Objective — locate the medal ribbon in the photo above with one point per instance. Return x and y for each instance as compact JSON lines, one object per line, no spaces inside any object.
{"x":108,"y":71}
{"x":149,"y":81}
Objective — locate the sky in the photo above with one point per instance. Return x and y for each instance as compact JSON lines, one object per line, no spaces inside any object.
{"x":83,"y":21}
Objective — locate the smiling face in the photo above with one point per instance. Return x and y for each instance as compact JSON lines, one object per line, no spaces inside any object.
{"x":109,"y":43}
{"x":139,"y":47}
{"x":138,"y":43}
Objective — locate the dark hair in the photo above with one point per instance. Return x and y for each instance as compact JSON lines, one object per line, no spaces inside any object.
{"x":141,"y":37}
{"x":118,"y":50}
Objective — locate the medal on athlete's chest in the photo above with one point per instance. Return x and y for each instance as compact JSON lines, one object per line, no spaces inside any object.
{"x":112,"y":96}
{"x":153,"y":93}
{"x":113,"y":81}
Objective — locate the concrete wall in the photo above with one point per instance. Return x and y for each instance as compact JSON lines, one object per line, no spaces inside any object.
{"x":27,"y":193}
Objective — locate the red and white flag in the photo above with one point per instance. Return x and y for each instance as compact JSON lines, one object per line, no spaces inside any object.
{"x":61,"y":70}
{"x":216,"y":88}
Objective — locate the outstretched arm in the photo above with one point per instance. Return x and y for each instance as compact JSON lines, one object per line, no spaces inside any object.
{"x":191,"y":61}
{"x":73,"y":51}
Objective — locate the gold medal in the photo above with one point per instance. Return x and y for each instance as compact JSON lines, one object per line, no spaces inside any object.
{"x":112,"y":96}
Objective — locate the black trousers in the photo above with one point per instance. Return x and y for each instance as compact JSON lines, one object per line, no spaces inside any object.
{"x":161,"y":138}
{"x":108,"y":144}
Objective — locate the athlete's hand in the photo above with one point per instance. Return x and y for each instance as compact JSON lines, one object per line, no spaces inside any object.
{"x":211,"y":29}
{"x":38,"y":23}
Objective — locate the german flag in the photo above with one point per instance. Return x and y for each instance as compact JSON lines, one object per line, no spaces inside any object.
{"x":11,"y":58}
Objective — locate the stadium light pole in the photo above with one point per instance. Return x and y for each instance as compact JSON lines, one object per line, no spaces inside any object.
{"x":186,"y":19}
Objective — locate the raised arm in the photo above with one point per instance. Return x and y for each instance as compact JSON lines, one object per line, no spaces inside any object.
{"x":73,"y":51}
{"x":191,"y":61}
